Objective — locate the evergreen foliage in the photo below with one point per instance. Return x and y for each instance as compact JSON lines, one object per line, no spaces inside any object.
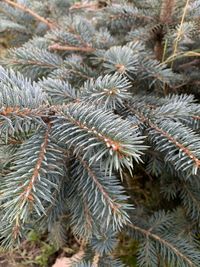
{"x":94,"y":95}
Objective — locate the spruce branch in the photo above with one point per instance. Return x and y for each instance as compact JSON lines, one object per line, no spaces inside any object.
{"x":126,"y":12}
{"x":31,"y":12}
{"x":190,"y":157}
{"x":71,"y":48}
{"x":115,"y":208}
{"x":176,"y":141}
{"x":18,"y":92}
{"x":75,"y":120}
{"x":171,"y":252}
{"x":34,"y":183}
{"x":107,"y":91}
{"x":57,"y":208}
{"x":108,"y":200}
{"x":27,"y":192}
{"x":190,"y":199}
{"x":102,"y":135}
{"x":32,"y":62}
{"x":7,"y":111}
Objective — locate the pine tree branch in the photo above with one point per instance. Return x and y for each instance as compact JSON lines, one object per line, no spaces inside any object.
{"x":21,"y":112}
{"x":31,"y":12}
{"x":170,"y":138}
{"x":176,"y":143}
{"x":56,"y":198}
{"x":71,"y":48}
{"x":102,"y":196}
{"x":71,"y":138}
{"x":190,"y":199}
{"x":26,"y":195}
{"x":31,"y":62}
{"x":16,"y":110}
{"x":94,"y":135}
{"x":167,"y":244}
{"x":111,"y":202}
{"x":127,"y":16}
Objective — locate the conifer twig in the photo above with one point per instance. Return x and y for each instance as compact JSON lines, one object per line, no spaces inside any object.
{"x":166,"y":243}
{"x":31,"y":12}
{"x":27,"y":194}
{"x":71,"y":48}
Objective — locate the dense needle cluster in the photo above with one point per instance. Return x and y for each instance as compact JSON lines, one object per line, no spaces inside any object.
{"x":100,"y":127}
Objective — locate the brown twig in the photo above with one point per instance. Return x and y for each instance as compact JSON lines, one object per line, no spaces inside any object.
{"x":31,"y":12}
{"x":167,"y":9}
{"x":71,"y":48}
{"x":189,"y":64}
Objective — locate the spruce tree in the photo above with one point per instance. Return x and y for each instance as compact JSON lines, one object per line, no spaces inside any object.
{"x":100,"y":127}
